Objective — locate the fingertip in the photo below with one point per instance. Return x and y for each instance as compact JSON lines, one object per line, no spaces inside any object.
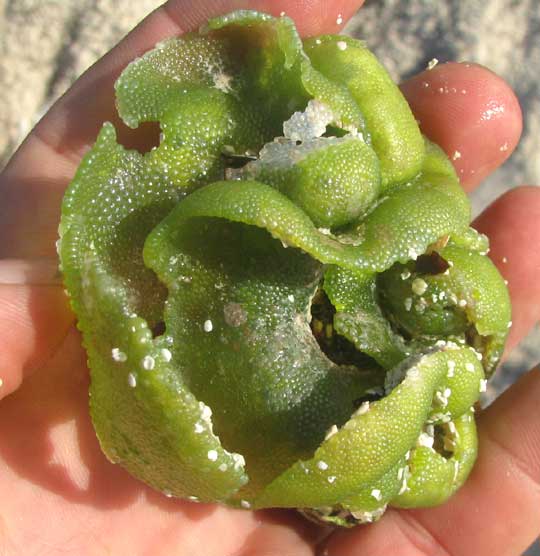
{"x":471,"y":112}
{"x":512,"y":223}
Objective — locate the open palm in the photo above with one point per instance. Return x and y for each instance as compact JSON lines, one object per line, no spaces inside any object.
{"x":59,"y":495}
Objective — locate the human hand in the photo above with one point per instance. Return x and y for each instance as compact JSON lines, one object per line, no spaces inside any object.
{"x":53,"y":462}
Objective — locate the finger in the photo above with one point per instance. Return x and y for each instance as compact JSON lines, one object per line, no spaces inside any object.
{"x":34,"y":321}
{"x":471,"y":113}
{"x":512,"y":223}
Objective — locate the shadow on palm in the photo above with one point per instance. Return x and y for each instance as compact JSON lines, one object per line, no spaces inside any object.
{"x":52,"y":443}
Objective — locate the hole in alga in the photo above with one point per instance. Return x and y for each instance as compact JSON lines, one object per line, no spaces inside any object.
{"x":142,"y":139}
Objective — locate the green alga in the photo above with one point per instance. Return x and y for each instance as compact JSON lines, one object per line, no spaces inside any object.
{"x":282,"y":302}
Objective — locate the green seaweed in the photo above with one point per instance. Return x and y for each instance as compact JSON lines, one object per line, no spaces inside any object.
{"x":282,"y":302}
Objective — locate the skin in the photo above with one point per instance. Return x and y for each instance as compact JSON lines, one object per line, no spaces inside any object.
{"x":60,"y":494}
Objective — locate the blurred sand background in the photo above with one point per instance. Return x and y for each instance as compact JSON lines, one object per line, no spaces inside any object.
{"x":46,"y":44}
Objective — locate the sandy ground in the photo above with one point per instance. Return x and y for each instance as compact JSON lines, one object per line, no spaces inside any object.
{"x":46,"y":44}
